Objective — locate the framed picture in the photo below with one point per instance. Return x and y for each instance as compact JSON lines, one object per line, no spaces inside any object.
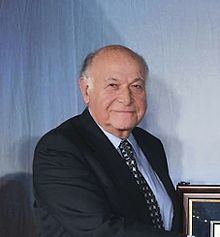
{"x":200,"y":209}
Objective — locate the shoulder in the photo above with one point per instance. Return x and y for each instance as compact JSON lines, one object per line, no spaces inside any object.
{"x":62,"y":146}
{"x":66,"y":133}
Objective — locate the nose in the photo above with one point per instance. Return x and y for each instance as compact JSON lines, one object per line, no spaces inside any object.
{"x":125,"y":97}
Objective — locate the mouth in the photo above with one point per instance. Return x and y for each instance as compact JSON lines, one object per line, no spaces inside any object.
{"x":124,"y":111}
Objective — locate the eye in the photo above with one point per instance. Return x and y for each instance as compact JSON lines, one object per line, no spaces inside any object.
{"x":137,"y":87}
{"x":113,"y":85}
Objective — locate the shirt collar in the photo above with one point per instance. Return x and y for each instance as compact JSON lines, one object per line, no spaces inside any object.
{"x":113,"y":139}
{"x":116,"y":140}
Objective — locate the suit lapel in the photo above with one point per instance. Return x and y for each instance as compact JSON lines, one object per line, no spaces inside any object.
{"x":115,"y":167}
{"x":155,"y":158}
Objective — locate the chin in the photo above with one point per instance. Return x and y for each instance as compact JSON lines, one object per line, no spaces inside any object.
{"x":125,"y":127}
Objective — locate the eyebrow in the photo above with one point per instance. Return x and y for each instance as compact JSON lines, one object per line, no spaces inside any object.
{"x":139,"y":79}
{"x":111,"y":79}
{"x":115,"y":79}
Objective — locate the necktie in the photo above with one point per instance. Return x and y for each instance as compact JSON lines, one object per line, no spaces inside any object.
{"x":152,"y":205}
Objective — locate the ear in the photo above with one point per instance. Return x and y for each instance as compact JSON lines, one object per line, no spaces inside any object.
{"x":84,"y":87}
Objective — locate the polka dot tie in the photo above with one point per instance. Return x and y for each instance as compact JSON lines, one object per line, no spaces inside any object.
{"x":151,"y":202}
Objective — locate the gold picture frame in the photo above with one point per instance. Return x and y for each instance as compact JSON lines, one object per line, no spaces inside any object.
{"x":200,"y":209}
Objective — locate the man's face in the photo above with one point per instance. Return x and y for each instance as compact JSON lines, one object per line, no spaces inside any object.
{"x":115,"y":91}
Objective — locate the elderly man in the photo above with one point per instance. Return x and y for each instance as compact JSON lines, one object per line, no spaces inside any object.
{"x":97,"y":174}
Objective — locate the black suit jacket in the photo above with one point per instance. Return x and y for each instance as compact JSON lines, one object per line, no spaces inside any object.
{"x":83,"y":188}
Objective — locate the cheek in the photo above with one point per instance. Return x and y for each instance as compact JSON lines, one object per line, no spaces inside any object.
{"x":141,"y":109}
{"x":141,"y":104}
{"x":102,"y":107}
{"x":107,"y":102}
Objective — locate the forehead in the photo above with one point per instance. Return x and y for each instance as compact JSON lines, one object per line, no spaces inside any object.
{"x":118,"y":60}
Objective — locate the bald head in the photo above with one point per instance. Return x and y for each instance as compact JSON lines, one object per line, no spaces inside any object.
{"x":113,"y":49}
{"x":113,"y":87}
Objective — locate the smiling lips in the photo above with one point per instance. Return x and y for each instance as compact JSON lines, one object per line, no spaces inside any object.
{"x":124,"y":111}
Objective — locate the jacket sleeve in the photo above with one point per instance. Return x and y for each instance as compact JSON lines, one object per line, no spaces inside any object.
{"x":69,"y":199}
